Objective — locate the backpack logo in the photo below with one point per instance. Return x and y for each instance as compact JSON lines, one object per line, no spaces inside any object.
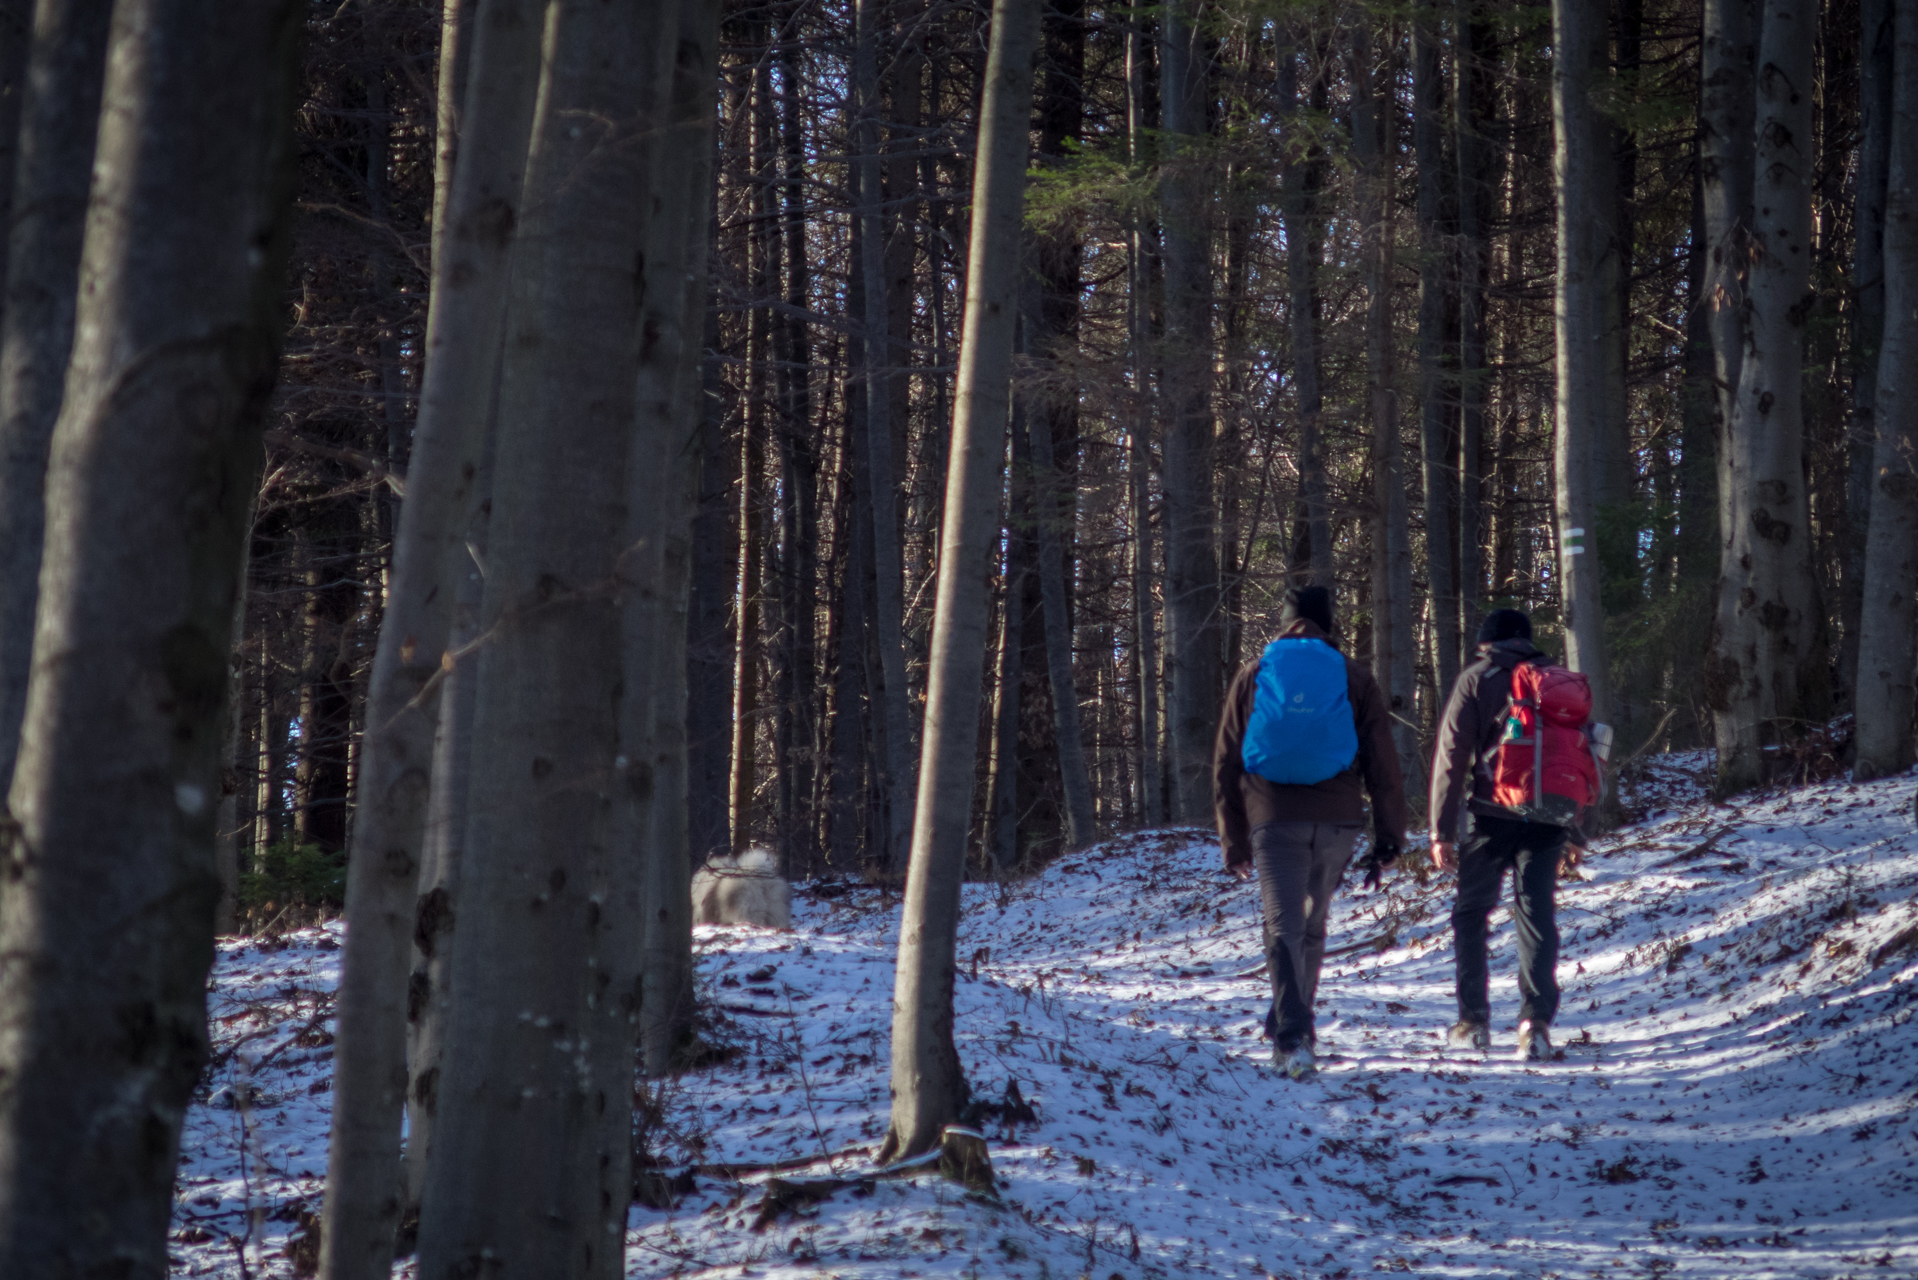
{"x":1301,"y":730}
{"x":1544,"y":767}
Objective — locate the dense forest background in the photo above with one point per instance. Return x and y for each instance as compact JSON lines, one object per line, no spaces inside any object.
{"x":872,"y":431}
{"x":1359,"y":317}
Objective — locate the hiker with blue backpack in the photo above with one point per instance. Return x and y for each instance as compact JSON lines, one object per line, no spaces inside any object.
{"x":1302,"y":729}
{"x":1514,"y":770}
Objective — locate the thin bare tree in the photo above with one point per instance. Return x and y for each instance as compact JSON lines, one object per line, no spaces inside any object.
{"x":928,"y":1084}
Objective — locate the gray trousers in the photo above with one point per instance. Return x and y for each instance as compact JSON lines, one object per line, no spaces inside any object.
{"x":1299,"y":865}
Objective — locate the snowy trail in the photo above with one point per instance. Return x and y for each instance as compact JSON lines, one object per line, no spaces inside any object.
{"x":1740,"y":1068}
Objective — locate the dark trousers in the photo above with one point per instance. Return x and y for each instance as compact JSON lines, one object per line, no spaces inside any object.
{"x":1299,"y":865}
{"x":1530,"y":851}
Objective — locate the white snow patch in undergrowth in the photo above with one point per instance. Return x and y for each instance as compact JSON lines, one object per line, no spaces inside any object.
{"x":1735,"y":1096}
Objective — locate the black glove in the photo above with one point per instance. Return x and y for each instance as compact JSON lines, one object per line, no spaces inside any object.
{"x":1374,"y":865}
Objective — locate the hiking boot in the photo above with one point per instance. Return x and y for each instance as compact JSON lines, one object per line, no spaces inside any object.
{"x":1296,"y":1064}
{"x":1466,"y":1034}
{"x":1534,"y":1045}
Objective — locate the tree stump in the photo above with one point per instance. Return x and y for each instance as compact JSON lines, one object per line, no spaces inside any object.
{"x":964,"y":1159}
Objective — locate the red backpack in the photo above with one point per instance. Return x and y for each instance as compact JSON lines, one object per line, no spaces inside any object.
{"x":1543,"y":768}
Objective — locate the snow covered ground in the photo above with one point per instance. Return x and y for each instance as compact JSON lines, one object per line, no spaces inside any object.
{"x":1736,"y":1095}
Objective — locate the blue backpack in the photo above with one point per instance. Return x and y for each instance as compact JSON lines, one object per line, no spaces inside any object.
{"x":1301,"y":730}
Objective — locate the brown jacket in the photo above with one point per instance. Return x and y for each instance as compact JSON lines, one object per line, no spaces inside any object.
{"x":1474,"y":719}
{"x":1244,"y":800}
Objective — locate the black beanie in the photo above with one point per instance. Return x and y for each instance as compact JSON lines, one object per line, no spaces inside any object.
{"x":1314,"y":604}
{"x":1504,"y":624}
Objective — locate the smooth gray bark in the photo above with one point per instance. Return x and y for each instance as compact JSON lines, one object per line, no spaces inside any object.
{"x":894,"y":721}
{"x":661,"y":500}
{"x":1887,"y":619}
{"x":429,"y":994}
{"x":1875,"y":90}
{"x":1766,"y":676}
{"x":1581,"y":316}
{"x":430,"y":559}
{"x":1725,"y":161}
{"x":928,"y":1084}
{"x":1191,"y":512}
{"x":530,"y":1172}
{"x":106,"y":927}
{"x":46,"y":200}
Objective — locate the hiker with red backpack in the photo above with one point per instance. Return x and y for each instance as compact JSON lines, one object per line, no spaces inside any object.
{"x":1514,"y":771}
{"x":1301,"y":728}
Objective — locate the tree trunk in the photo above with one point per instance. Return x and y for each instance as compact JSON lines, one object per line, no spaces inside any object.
{"x":1304,"y":238}
{"x":1081,"y":826}
{"x":928,"y":1085}
{"x":1393,"y":644}
{"x":799,"y":477}
{"x":660,"y":508}
{"x":1192,"y":565}
{"x":531,"y":1168}
{"x":1726,"y":159}
{"x":106,"y":925}
{"x":1696,"y":546}
{"x":894,"y":721}
{"x":1473,"y":104}
{"x":1152,"y":807}
{"x":1002,"y":777}
{"x":1584,"y":232}
{"x":1875,"y":88}
{"x":430,"y":559}
{"x":1767,"y":678}
{"x":1436,"y":422}
{"x":429,"y":994}
{"x":56,"y":127}
{"x":1888,"y":621}
{"x":708,"y":666}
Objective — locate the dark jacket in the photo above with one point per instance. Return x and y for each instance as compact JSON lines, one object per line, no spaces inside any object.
{"x":1474,"y":719}
{"x":1244,"y":800}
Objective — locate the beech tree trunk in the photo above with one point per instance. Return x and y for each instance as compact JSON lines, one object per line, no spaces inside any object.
{"x":928,"y":1084}
{"x":1726,"y":159}
{"x":1887,"y":618}
{"x":430,"y":559}
{"x":1875,"y":99}
{"x":531,"y":1167}
{"x":1582,"y":314}
{"x":661,"y":506}
{"x":1191,"y":546}
{"x":106,"y":926}
{"x":58,"y":113}
{"x":1767,"y":678}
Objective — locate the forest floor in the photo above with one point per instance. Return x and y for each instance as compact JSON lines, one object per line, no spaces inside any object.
{"x":1735,"y":1096}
